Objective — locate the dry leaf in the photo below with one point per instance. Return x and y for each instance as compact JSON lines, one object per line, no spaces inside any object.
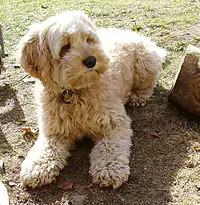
{"x":30,"y":133}
{"x":66,"y":185}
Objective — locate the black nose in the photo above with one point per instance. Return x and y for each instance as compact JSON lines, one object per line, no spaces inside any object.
{"x":90,"y":61}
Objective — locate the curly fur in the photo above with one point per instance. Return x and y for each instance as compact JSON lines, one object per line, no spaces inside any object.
{"x":75,"y":100}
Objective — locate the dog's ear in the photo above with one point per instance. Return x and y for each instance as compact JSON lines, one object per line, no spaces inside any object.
{"x":29,"y":51}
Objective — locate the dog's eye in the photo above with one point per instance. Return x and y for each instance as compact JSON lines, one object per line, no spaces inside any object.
{"x":90,"y":40}
{"x":64,"y":49}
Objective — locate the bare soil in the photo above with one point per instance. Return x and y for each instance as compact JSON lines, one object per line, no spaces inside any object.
{"x":164,"y":158}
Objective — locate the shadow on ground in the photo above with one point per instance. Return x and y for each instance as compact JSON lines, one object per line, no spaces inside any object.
{"x":160,"y":144}
{"x":14,"y":112}
{"x":10,"y":112}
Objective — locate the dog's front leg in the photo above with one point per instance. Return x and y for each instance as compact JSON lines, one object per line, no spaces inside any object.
{"x":110,"y":157}
{"x":44,"y":161}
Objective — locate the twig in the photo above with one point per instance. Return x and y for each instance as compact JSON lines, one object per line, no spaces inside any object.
{"x":84,"y":187}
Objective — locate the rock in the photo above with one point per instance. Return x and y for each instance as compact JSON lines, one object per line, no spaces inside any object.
{"x":4,"y":198}
{"x":11,"y":184}
{"x":186,"y":91}
{"x":77,"y":199}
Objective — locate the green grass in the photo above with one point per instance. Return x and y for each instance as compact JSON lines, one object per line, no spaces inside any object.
{"x":169,"y":23}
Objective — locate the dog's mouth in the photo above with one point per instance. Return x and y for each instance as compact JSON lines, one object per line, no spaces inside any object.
{"x":84,"y":80}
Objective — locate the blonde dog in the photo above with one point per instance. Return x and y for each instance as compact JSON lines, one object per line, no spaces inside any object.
{"x":86,"y":75}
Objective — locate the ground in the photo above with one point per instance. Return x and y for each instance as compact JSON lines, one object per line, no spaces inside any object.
{"x":165,"y":154}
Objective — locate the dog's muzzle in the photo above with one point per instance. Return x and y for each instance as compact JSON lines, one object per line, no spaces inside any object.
{"x":90,"y":61}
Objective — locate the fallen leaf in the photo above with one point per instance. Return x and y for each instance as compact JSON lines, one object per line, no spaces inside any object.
{"x":30,"y":133}
{"x":66,"y":185}
{"x":4,"y":194}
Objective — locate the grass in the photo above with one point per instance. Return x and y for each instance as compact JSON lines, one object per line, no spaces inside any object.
{"x":164,"y":170}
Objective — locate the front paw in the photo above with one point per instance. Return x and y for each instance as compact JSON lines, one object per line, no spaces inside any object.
{"x":110,"y":174}
{"x":37,"y":173}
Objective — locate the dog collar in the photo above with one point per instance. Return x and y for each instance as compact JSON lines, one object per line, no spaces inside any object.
{"x":67,"y":95}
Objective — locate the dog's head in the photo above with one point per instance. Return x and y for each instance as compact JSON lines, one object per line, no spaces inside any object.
{"x":64,"y":51}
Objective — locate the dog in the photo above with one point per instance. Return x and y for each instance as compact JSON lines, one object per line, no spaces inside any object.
{"x":86,"y":77}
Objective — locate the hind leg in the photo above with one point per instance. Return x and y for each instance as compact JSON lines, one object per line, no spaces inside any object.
{"x":146,"y":70}
{"x":145,"y":76}
{"x":145,"y":79}
{"x":140,"y":97}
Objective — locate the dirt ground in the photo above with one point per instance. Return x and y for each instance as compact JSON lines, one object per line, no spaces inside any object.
{"x":164,"y":159}
{"x":165,"y":168}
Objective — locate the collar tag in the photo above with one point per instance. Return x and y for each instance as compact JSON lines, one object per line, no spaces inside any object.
{"x":67,"y":96}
